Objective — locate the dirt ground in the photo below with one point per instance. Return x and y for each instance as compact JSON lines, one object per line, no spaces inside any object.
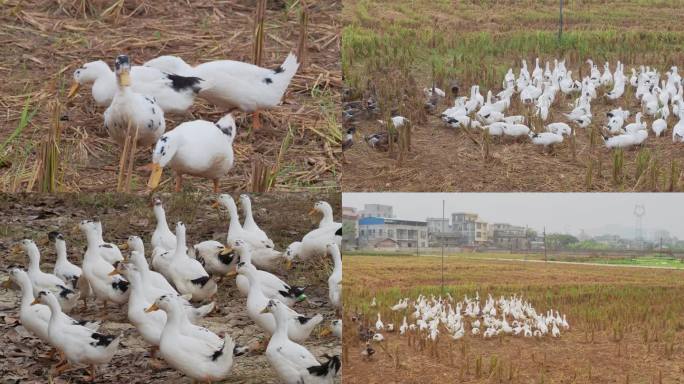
{"x":43,"y":42}
{"x":594,"y":297}
{"x":447,"y":159}
{"x":23,"y":358}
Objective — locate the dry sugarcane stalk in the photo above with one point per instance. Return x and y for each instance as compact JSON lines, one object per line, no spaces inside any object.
{"x":258,"y":42}
{"x":303,"y":34}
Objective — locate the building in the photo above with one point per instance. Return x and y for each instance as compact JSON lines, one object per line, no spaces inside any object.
{"x":376,"y":232}
{"x":350,"y":227}
{"x":472,"y":230}
{"x":377,"y":210}
{"x":507,"y":236}
{"x":436,"y":225}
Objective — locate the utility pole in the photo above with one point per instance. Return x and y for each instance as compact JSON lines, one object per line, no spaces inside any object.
{"x":560,"y":24}
{"x":546,"y":257}
{"x":443,"y":236}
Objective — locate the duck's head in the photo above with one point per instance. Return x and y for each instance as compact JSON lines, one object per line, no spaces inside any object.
{"x":180,"y":228}
{"x":225,"y":200}
{"x":88,"y":74}
{"x":122,"y":66}
{"x":121,"y":268}
{"x":26,"y":245}
{"x":245,"y":201}
{"x":272,"y":307}
{"x":16,"y":276}
{"x":156,"y":202}
{"x":44,"y":297}
{"x":135,"y":243}
{"x":54,"y":236}
{"x":163,"y":302}
{"x":320,"y":208}
{"x":227,"y":125}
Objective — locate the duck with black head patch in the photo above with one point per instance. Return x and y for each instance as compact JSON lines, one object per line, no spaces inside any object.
{"x":197,"y":148}
{"x":130,"y":109}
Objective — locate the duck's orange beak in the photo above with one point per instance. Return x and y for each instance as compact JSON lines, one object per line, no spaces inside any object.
{"x":152,"y":308}
{"x":155,"y":176}
{"x":75,"y":86}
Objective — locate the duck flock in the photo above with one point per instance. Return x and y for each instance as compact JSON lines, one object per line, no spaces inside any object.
{"x":160,"y":301}
{"x":660,"y":100}
{"x":138,"y":97}
{"x":505,"y":316}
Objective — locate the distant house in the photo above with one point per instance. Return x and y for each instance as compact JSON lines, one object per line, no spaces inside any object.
{"x":472,"y":230}
{"x":406,"y":233}
{"x":386,"y":243}
{"x":507,"y":236}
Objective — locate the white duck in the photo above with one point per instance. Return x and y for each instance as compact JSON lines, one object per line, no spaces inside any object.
{"x":162,"y":237}
{"x":152,"y":291}
{"x":197,"y":148}
{"x":187,"y":274}
{"x":659,"y":126}
{"x":148,"y":324}
{"x":35,"y":318}
{"x":80,"y":344}
{"x":65,"y":270}
{"x":216,"y":258}
{"x":546,"y":139}
{"x":263,"y":255}
{"x":174,"y":93}
{"x":335,"y":279}
{"x":96,"y":270}
{"x":137,"y":258}
{"x":109,"y":251}
{"x":235,"y":84}
{"x":314,"y":243}
{"x":249,"y":224}
{"x":293,"y":363}
{"x":204,"y":356}
{"x":678,"y":131}
{"x":46,"y":281}
{"x":299,"y":327}
{"x":271,"y":285}
{"x":130,"y":108}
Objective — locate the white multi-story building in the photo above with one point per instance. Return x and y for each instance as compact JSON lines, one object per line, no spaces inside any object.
{"x":377,"y":210}
{"x":470,"y":227}
{"x":389,"y":232}
{"x":437,"y":225}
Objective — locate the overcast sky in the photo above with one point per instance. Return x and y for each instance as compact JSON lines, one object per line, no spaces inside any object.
{"x":595,"y":213}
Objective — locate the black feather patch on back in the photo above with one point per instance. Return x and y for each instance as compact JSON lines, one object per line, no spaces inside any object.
{"x":121,"y":285}
{"x":81,"y":322}
{"x":332,"y":365}
{"x":278,"y":70}
{"x":181,"y":83}
{"x":296,"y":291}
{"x":201,"y":281}
{"x":218,"y":353}
{"x":268,"y":80}
{"x":64,"y":291}
{"x":338,"y":232}
{"x":303,"y":319}
{"x":226,"y":258}
{"x":105,"y":245}
{"x":101,"y":340}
